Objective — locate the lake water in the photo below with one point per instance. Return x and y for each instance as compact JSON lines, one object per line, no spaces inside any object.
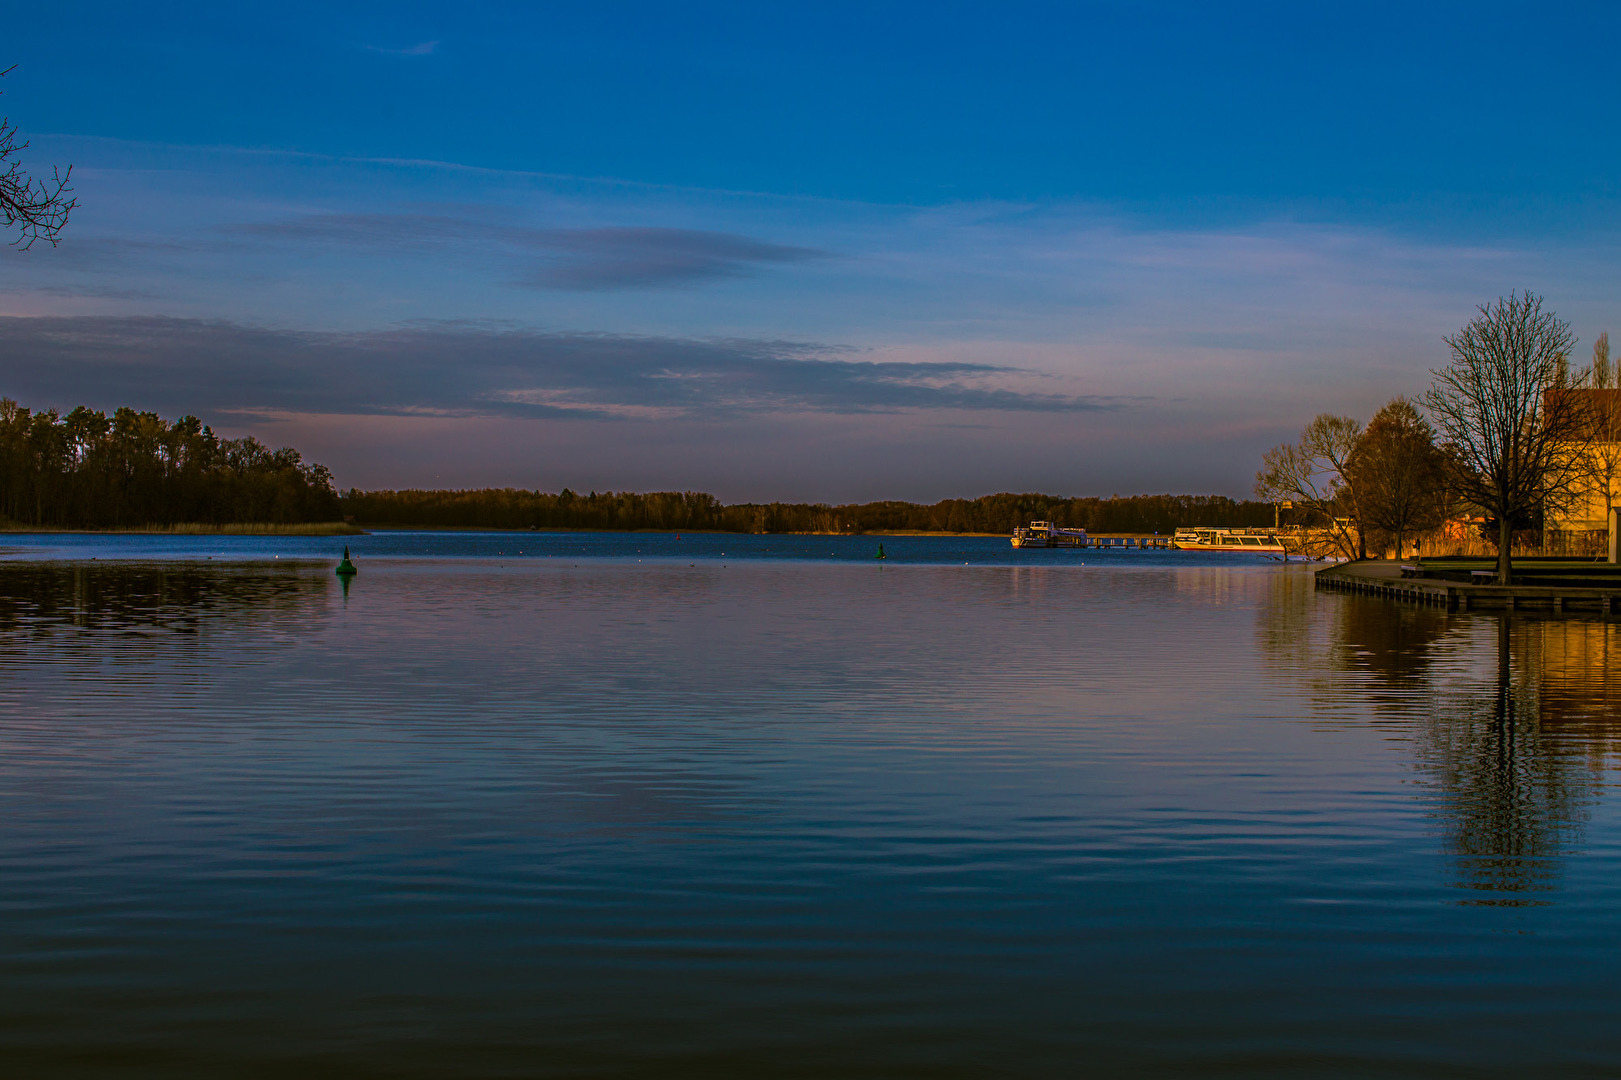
{"x":577,"y":805}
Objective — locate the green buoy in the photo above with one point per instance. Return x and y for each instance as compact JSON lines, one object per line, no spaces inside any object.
{"x":880,"y":554}
{"x":345,"y":568}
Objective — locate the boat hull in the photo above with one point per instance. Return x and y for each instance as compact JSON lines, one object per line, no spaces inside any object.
{"x":1048,"y":541}
{"x":1257,"y":549}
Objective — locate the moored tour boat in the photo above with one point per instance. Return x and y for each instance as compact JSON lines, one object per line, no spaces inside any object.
{"x":1201,"y":538}
{"x":1046,"y":534}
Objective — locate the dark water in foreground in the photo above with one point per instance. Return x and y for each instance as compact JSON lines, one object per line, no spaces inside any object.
{"x":785,"y":814}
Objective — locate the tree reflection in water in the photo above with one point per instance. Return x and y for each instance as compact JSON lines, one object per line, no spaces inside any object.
{"x":1513,"y":791}
{"x":158,"y":600}
{"x":1512,"y":718}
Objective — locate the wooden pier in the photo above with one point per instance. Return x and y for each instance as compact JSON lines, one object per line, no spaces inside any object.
{"x":1044,"y":534}
{"x":1142,"y":542}
{"x":1385,"y":579}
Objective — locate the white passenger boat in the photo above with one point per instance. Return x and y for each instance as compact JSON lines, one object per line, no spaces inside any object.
{"x":1255,"y":541}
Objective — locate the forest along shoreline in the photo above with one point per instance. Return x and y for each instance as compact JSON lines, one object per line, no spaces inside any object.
{"x":87,"y":471}
{"x":688,"y":511}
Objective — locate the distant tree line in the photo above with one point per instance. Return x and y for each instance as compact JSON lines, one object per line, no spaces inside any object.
{"x":509,"y":508}
{"x":88,"y":470}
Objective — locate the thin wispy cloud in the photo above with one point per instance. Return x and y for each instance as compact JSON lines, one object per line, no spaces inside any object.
{"x":451,"y":369}
{"x":424,"y":48}
{"x":96,"y":292}
{"x":590,"y":259}
{"x":621,"y":258}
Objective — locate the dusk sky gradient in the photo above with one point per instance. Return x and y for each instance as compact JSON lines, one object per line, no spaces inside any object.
{"x":843,"y":252}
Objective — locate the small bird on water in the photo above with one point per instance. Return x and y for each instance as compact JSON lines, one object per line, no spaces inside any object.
{"x":345,"y":568}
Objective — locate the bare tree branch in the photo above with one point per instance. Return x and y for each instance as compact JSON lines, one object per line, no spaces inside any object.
{"x":1312,"y":474}
{"x":37,"y":208}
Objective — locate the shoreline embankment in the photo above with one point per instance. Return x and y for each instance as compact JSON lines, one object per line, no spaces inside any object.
{"x":1394,"y":580}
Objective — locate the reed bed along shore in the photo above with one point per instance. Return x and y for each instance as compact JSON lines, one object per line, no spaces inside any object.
{"x":250,"y":528}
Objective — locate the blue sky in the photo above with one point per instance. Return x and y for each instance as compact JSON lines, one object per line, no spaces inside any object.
{"x":841,"y":252}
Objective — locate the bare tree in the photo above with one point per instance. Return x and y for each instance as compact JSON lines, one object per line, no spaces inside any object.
{"x":37,"y":208}
{"x":1518,"y":440}
{"x":1311,"y":474}
{"x":1399,"y":474}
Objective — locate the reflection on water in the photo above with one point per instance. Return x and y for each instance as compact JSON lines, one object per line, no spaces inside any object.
{"x":1514,"y":795}
{"x":182,"y":598}
{"x":1577,"y":693}
{"x":707,"y":817}
{"x":1512,"y":721}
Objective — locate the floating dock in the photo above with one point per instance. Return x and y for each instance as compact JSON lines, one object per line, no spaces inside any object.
{"x":1386,"y":579}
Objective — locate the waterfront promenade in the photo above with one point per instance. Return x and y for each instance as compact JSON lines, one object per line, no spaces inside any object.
{"x":1396,"y":580}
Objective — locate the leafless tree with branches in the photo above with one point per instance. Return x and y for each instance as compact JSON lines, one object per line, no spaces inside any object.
{"x":1518,"y":439}
{"x":1312,"y":475}
{"x":1399,"y":474}
{"x":37,"y":208}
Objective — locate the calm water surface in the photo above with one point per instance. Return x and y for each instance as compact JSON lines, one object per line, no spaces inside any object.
{"x":520,"y":804}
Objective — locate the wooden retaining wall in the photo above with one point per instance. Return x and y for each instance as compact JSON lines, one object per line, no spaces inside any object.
{"x":1455,"y":597}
